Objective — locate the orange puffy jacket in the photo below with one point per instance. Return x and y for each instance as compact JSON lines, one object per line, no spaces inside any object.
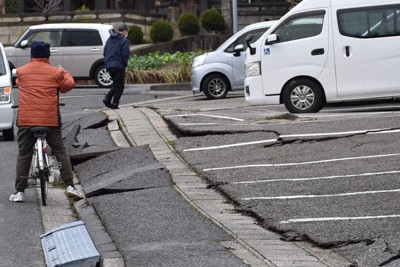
{"x":39,"y":86}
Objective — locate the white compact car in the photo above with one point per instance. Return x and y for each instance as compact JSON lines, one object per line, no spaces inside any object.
{"x":218,"y":72}
{"x":78,"y":47}
{"x":6,"y":100}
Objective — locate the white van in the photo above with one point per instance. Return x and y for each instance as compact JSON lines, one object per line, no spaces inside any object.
{"x":326,"y":51}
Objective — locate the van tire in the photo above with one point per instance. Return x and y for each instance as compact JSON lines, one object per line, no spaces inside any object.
{"x":8,"y":134}
{"x":102,"y":77}
{"x":215,"y":86}
{"x":303,"y":96}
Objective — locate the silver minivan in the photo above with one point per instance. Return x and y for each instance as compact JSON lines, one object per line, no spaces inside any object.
{"x":78,"y":47}
{"x":218,"y":72}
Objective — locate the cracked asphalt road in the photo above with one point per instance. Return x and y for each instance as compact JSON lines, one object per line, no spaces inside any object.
{"x":331,"y":178}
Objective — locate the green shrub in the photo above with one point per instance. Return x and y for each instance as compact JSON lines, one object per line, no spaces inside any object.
{"x":212,"y":20}
{"x":188,"y":24}
{"x":161,"y":68}
{"x":12,"y":6}
{"x":161,"y":31}
{"x":135,"y":35}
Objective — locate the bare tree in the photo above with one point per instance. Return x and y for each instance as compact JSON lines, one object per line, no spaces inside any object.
{"x":3,"y":6}
{"x":46,"y":5}
{"x":190,"y":6}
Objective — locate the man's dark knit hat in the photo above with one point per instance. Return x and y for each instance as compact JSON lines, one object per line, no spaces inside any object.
{"x":40,"y":49}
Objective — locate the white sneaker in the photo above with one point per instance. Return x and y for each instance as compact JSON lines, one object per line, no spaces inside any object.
{"x":17,"y":197}
{"x":73,"y":193}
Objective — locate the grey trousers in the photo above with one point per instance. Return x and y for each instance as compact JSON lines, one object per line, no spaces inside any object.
{"x":26,"y":141}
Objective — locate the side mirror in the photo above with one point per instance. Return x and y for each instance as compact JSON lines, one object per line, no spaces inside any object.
{"x":238,"y":49}
{"x":271,"y":39}
{"x":24,"y":43}
{"x":14,"y":73}
{"x":248,"y":39}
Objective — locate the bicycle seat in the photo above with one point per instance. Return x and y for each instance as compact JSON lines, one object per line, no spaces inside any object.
{"x":39,"y":129}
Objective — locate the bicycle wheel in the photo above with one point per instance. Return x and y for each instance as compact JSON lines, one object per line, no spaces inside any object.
{"x":43,"y":186}
{"x":44,"y":178}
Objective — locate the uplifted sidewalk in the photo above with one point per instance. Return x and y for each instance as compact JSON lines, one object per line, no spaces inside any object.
{"x":166,"y":216}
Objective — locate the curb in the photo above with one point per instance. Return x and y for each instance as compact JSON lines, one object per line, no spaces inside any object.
{"x":171,"y":87}
{"x":110,"y":256}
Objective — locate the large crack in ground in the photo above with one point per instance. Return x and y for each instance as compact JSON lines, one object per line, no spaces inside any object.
{"x":108,"y":191}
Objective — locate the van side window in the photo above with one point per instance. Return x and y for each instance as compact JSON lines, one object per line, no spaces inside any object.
{"x":370,"y":22}
{"x":52,"y":37}
{"x":241,"y":40}
{"x":300,"y":26}
{"x":81,"y":38}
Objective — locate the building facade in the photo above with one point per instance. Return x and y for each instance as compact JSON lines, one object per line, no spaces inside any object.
{"x":152,"y":6}
{"x":249,"y":11}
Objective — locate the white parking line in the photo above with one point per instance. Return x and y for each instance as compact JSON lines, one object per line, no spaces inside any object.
{"x":231,"y":145}
{"x":300,"y":163}
{"x":321,"y":196}
{"x":316,"y":178}
{"x":205,"y":115}
{"x":335,"y":133}
{"x":200,"y":124}
{"x":363,"y":108}
{"x":327,"y":219}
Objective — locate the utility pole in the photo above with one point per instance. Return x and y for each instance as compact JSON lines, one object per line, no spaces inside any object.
{"x":234,"y":16}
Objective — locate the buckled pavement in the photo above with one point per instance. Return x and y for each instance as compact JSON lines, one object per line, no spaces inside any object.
{"x":254,"y":245}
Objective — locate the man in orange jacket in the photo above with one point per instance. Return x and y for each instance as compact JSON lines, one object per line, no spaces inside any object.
{"x":39,"y":86}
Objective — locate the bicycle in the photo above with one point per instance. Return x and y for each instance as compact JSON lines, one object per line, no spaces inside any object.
{"x":40,"y":169}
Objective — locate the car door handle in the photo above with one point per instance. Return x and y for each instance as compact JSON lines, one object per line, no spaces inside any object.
{"x":95,"y":49}
{"x":347,"y":48}
{"x":317,"y":52}
{"x":54,"y":50}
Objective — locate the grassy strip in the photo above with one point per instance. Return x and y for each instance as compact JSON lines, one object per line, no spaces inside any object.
{"x":161,"y":68}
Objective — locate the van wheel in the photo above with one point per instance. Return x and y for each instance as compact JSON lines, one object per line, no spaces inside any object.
{"x":303,"y":96}
{"x":102,"y":77}
{"x":8,"y":134}
{"x":215,"y":86}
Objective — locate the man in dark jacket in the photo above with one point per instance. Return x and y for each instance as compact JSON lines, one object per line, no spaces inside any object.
{"x":116,"y":55}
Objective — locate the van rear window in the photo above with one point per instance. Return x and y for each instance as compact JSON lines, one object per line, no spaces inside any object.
{"x":370,"y":22}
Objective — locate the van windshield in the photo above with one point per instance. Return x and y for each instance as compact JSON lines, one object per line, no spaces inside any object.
{"x":241,"y":39}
